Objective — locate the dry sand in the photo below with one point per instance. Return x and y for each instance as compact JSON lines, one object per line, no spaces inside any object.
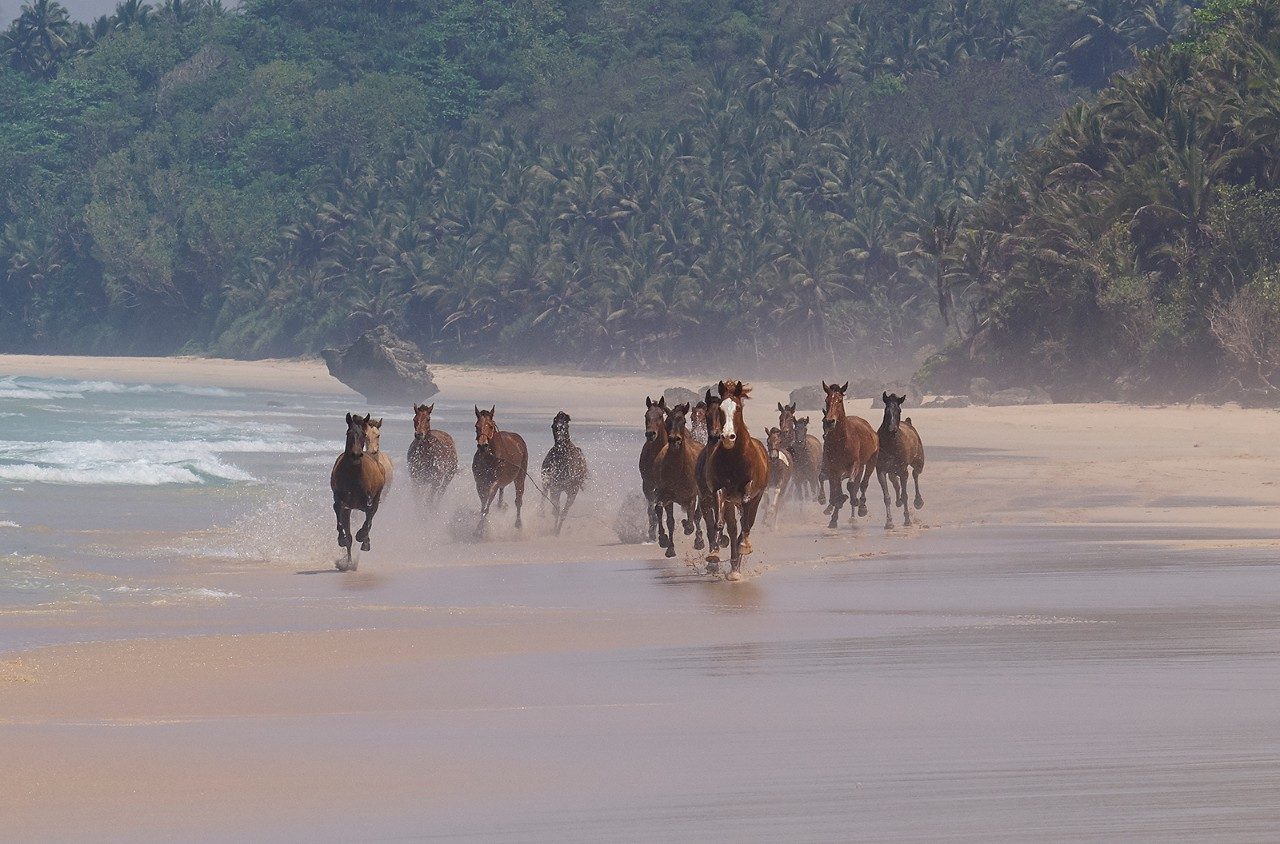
{"x":1079,"y":641}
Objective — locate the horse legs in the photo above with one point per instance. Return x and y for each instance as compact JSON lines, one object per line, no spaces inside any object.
{"x":519,"y":498}
{"x":363,"y":533}
{"x":569,"y":498}
{"x":656,"y":514}
{"x":915,"y":476}
{"x":344,"y":525}
{"x":822,"y":499}
{"x":862,"y":488}
{"x":901,"y":481}
{"x":749,"y":509}
{"x":888,"y":508}
{"x":837,"y":501}
{"x":501,"y":505}
{"x":671,"y":528}
{"x":486,"y":500}
{"x":735,"y":543}
{"x":696,"y":514}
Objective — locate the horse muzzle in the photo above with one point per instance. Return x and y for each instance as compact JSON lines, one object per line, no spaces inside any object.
{"x":419,"y":436}
{"x":828,"y":424}
{"x":729,"y":439}
{"x":650,"y":435}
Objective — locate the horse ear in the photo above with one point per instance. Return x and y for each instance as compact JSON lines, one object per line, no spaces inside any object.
{"x":348,"y":418}
{"x":567,"y":417}
{"x":805,"y":420}
{"x":378,"y":424}
{"x":430,"y":407}
{"x":708,"y":398}
{"x":723,"y":388}
{"x":884,"y":397}
{"x":368,"y":417}
{"x":845,"y":388}
{"x":825,"y":388}
{"x":792,"y":407}
{"x":648,"y":401}
{"x":780,"y":407}
{"x":477,"y":411}
{"x":493,"y":411}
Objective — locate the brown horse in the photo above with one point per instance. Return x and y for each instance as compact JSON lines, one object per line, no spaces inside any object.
{"x":564,"y":469}
{"x":848,"y":451}
{"x":373,"y":445}
{"x":357,"y":484}
{"x":900,"y":449}
{"x":806,"y":452}
{"x":501,"y":458}
{"x":655,"y":439}
{"x":781,"y":470}
{"x":737,"y":472}
{"x":708,"y":499}
{"x":433,"y":457}
{"x":676,"y":482}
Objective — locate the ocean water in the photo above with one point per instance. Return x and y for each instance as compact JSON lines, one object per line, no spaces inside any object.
{"x":107,"y":489}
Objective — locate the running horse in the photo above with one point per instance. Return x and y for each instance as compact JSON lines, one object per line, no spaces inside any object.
{"x":433,"y":457}
{"x":900,"y":450}
{"x":676,"y":482}
{"x":806,"y":452}
{"x":849,"y":450}
{"x":736,"y":473}
{"x":655,"y":439}
{"x":373,"y":445}
{"x":564,"y":469}
{"x":781,"y":470}
{"x":357,"y":481}
{"x":501,"y":458}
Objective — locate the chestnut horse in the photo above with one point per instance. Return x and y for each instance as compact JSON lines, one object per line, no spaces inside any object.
{"x":564,"y":469}
{"x":676,"y":482}
{"x":501,"y":458}
{"x":900,"y":449}
{"x":848,"y":451}
{"x":781,"y":470}
{"x":708,"y":500}
{"x":655,"y":439}
{"x":737,"y":472}
{"x":433,"y":457}
{"x":357,"y":485}
{"x":806,"y":452}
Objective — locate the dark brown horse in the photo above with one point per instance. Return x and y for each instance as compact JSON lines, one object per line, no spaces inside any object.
{"x":806,"y":453}
{"x":433,"y":457}
{"x":676,"y":482}
{"x":781,"y":471}
{"x":900,"y":450}
{"x":564,"y":469}
{"x":357,"y":481}
{"x":698,"y":423}
{"x":848,"y":452}
{"x":501,"y":458}
{"x":708,"y":500}
{"x":655,"y":439}
{"x":737,"y":472}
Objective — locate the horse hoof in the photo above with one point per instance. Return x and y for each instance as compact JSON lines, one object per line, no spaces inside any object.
{"x":827,"y":511}
{"x":671,"y":552}
{"x":733,"y":575}
{"x":862,"y":509}
{"x":831,"y":525}
{"x":688,"y":528}
{"x":712,"y":559}
{"x":919,"y":503}
{"x":519,"y":526}
{"x":746,"y":546}
{"x":888,"y":525}
{"x":364,"y":546}
{"x":698,"y":545}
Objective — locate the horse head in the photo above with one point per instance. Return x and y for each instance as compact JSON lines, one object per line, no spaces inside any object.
{"x":372,"y":435}
{"x":422,"y":420}
{"x":356,"y":437}
{"x":787,"y":420}
{"x":676,"y":418}
{"x":892,"y":412}
{"x":835,"y":404}
{"x":713,"y":417}
{"x":655,"y":415}
{"x":732,"y":395}
{"x":775,"y":442}
{"x":486,"y":428}
{"x":560,"y":428}
{"x":802,"y":431}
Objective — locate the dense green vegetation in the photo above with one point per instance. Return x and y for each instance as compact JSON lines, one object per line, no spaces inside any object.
{"x":581,"y":180}
{"x":1137,"y":249}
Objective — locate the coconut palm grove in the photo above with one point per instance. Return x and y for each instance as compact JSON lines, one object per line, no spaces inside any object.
{"x":1079,"y":193}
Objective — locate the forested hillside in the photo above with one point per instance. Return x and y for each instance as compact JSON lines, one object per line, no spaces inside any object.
{"x":586,"y":181}
{"x":1136,"y":251}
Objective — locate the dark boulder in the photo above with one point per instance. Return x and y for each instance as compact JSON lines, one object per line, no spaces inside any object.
{"x":809,"y":398}
{"x":382,"y":367}
{"x":680,"y":395}
{"x":949,"y":401}
{"x":980,"y":390}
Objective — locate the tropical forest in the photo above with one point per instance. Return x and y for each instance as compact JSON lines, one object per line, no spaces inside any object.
{"x":1083,"y":194}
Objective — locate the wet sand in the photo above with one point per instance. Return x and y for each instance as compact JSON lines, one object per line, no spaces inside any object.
{"x":1079,"y":641}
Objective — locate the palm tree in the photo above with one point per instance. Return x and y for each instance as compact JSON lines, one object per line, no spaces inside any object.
{"x":40,"y":38}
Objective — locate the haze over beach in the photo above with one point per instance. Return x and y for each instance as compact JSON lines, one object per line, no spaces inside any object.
{"x":1080,"y":611}
{"x":594,"y":420}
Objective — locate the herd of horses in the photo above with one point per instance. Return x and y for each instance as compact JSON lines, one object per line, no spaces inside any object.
{"x":701,"y":459}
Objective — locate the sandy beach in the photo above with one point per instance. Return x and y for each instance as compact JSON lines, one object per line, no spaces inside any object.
{"x":1079,"y":640}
